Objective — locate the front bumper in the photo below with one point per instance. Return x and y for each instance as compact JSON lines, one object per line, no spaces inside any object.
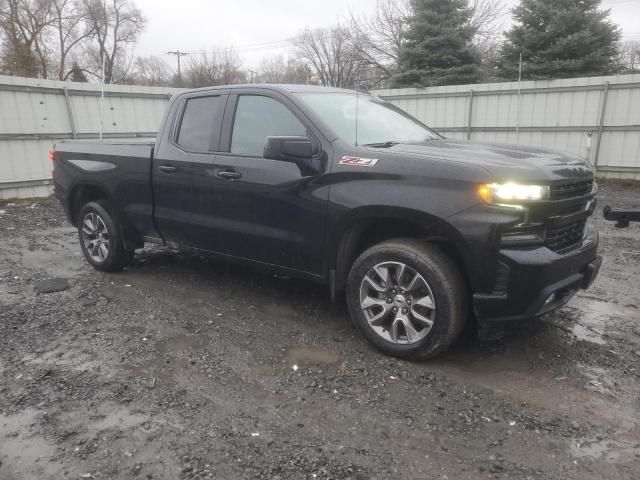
{"x":536,"y":281}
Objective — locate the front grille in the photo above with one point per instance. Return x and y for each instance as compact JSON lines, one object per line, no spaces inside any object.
{"x":571,"y":190}
{"x":566,"y":237}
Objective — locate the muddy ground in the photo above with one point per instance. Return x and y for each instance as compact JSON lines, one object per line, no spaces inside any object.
{"x":186,"y":368}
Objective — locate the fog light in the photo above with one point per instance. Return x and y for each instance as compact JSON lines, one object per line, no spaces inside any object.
{"x":517,"y":238}
{"x":551,"y":298}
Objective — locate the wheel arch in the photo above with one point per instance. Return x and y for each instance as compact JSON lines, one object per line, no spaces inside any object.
{"x":82,"y":194}
{"x":367,"y":226}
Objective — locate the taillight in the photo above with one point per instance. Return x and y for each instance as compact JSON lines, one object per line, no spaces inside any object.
{"x":52,"y":157}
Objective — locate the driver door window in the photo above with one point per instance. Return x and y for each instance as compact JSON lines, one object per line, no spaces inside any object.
{"x":258,"y":117}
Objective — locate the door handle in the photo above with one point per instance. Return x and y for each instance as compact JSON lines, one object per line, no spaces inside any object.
{"x":229,"y":175}
{"x":167,"y":168}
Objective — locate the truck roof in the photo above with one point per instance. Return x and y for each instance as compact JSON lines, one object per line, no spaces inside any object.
{"x":284,"y":88}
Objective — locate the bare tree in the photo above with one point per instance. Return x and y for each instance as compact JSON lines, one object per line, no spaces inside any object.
{"x":279,"y":69}
{"x":487,"y":21}
{"x":16,"y":57}
{"x":53,"y":31}
{"x":230,"y":67}
{"x":629,"y":57}
{"x":379,"y":37}
{"x":24,"y":23}
{"x":151,"y":71}
{"x":114,"y":26}
{"x":273,"y":69}
{"x":486,"y":15}
{"x":71,"y":29}
{"x":201,"y":70}
{"x":330,"y":54}
{"x":221,"y":66}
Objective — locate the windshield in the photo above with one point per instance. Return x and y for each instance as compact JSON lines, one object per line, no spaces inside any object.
{"x":379,"y":122}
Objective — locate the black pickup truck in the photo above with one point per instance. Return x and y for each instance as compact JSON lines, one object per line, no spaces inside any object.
{"x":422,"y":233}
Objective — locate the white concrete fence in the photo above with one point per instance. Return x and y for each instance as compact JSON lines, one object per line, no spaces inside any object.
{"x":598,"y":117}
{"x":34,"y":114}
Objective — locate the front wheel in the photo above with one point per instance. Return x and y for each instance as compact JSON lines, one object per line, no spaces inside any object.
{"x":101,"y":243}
{"x":407,"y":298}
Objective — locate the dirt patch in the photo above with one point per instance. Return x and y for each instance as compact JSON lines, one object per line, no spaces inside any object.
{"x":181,"y":367}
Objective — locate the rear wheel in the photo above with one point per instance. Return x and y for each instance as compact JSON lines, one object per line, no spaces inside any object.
{"x":408,"y":298}
{"x":100,"y":240}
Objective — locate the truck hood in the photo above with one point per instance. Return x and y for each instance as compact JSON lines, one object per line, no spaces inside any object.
{"x":502,"y":161}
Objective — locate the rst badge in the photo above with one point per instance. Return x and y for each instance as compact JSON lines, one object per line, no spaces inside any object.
{"x":358,"y":161}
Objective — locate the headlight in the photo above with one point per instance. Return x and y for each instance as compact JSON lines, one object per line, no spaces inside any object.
{"x":496,"y":193}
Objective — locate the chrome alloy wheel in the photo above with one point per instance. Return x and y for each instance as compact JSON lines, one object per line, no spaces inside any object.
{"x":95,"y":237}
{"x":397,"y":302}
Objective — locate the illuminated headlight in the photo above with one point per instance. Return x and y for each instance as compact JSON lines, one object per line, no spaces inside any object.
{"x":496,"y":193}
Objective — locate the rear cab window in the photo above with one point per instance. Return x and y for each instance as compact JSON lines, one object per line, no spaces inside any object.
{"x":200,"y":123}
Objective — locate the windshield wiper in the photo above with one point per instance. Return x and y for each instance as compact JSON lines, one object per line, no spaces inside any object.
{"x":388,"y":144}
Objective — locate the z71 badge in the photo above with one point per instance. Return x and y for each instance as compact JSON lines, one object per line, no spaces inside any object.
{"x":358,"y":162}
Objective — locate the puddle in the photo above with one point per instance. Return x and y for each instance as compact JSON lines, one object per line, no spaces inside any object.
{"x":105,"y":416}
{"x":75,"y":360}
{"x":275,"y":311}
{"x":121,"y":418}
{"x":517,"y":374}
{"x":311,"y":355}
{"x":180,"y":343}
{"x":586,"y":334}
{"x":610,"y":451}
{"x":598,"y":380}
{"x":475,"y":361}
{"x":20,"y":449}
{"x":594,"y":311}
{"x":61,"y":258}
{"x":12,"y":423}
{"x":594,"y":319}
{"x":61,"y":262}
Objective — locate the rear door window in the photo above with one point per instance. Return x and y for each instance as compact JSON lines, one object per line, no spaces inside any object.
{"x":258,"y":117}
{"x":200,"y":123}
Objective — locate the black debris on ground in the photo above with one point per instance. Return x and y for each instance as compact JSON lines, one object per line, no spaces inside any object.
{"x":52,"y":285}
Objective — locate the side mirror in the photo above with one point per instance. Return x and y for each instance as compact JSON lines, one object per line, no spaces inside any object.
{"x":288,"y":149}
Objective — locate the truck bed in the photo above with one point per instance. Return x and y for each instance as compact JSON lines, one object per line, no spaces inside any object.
{"x":129,"y":147}
{"x":119,"y":168}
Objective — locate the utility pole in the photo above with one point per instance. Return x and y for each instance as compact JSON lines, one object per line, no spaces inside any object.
{"x":102,"y":96}
{"x":519,"y":98}
{"x":178,"y":54}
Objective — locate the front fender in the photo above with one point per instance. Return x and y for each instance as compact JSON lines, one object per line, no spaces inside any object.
{"x":346,"y":238}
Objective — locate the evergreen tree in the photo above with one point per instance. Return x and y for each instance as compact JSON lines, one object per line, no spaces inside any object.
{"x":77,"y":74}
{"x":560,"y":39}
{"x":17,"y":58}
{"x":438,"y":48}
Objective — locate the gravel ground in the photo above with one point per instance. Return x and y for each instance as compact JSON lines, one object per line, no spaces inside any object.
{"x":185,"y":368}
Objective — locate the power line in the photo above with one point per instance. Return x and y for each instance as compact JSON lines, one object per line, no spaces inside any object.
{"x":249,"y":47}
{"x":255,"y":47}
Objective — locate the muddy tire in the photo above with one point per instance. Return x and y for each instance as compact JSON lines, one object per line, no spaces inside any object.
{"x":100,"y":239}
{"x":408,"y":298}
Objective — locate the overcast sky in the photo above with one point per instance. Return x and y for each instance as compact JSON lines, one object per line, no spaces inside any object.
{"x":258,"y":28}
